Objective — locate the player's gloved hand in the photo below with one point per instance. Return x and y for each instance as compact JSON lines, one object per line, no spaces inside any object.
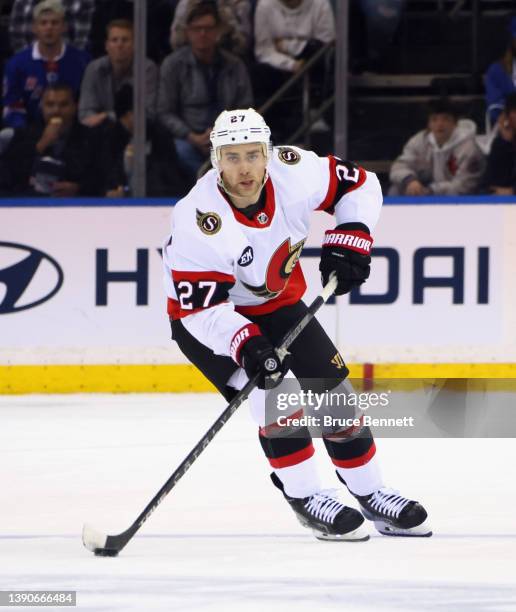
{"x":254,"y":352}
{"x":346,"y":251}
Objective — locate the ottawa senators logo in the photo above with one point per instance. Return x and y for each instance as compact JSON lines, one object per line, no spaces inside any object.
{"x":289,"y":156}
{"x":209,"y":222}
{"x":280,"y":267}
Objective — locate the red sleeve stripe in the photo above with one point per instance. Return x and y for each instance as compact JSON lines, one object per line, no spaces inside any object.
{"x":357,"y":461}
{"x":173,"y":308}
{"x":175,"y":311}
{"x":332,"y":188}
{"x":182,"y":275}
{"x":293,"y":458}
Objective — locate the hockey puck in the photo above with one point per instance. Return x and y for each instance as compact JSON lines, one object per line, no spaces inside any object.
{"x":106,"y":552}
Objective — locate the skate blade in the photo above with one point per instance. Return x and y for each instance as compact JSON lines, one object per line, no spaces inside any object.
{"x":419,"y":531}
{"x":357,"y":535}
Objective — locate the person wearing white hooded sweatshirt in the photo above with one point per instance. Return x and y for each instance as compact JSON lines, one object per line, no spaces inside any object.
{"x":443,"y":159}
{"x":283,"y":28}
{"x":287,"y":33}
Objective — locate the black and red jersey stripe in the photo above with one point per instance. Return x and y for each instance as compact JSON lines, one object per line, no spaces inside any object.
{"x":339,"y":184}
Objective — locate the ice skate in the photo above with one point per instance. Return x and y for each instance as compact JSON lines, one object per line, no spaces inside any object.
{"x":393,"y":514}
{"x":326,"y":516}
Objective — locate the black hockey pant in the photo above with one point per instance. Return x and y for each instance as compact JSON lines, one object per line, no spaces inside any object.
{"x":313,"y":356}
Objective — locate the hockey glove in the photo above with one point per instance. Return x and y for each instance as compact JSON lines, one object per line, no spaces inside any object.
{"x":346,"y":251}
{"x":253,"y":352}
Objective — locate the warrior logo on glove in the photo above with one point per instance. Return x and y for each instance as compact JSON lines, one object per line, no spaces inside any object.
{"x":347,"y":252}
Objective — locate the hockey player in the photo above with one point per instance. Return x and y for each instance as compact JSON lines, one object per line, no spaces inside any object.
{"x":234,"y":289}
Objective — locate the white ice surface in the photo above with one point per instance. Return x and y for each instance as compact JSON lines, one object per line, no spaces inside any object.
{"x":224,"y":538}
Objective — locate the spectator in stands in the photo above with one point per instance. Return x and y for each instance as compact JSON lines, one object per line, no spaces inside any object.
{"x":500,"y":79}
{"x":236,"y":26}
{"x":78,"y":15}
{"x":287,"y":30}
{"x":159,"y":18}
{"x":287,"y":33}
{"x":197,"y":82}
{"x":48,"y":60}
{"x":54,"y":157}
{"x":443,"y":159}
{"x":500,"y":177}
{"x":117,"y":154}
{"x":106,"y":75}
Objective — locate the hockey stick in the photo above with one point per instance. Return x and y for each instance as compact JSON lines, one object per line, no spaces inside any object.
{"x":111,"y":545}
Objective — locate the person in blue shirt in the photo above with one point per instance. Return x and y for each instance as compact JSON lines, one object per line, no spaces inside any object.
{"x":500,"y":78}
{"x":47,"y":61}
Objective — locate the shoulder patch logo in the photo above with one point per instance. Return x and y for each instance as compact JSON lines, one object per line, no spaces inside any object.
{"x":288,"y":156}
{"x":209,"y":223}
{"x":247,"y":257}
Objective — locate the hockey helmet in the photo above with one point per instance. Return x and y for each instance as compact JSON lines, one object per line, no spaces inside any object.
{"x":240,"y":126}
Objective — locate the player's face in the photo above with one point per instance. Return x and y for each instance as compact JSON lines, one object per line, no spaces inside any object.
{"x":243,"y":168}
{"x":442,"y":125}
{"x":49,"y":28}
{"x":119,"y":45}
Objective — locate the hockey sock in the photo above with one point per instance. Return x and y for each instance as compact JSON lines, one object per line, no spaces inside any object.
{"x":294,"y":462}
{"x":364,"y":479}
{"x":356,"y":463}
{"x":300,"y":480}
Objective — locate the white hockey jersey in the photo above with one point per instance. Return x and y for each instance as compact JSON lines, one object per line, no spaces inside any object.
{"x":221,"y":266}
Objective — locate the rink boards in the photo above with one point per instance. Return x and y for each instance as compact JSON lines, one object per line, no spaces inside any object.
{"x":82,"y":306}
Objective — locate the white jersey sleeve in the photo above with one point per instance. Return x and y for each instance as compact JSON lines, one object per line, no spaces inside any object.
{"x":349,"y":192}
{"x":198,"y":276}
{"x":338,"y":187}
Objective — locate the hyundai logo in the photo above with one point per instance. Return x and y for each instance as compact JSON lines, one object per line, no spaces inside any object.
{"x":28,"y":277}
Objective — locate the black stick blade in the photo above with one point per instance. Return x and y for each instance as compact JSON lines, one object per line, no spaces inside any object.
{"x":105,"y":552}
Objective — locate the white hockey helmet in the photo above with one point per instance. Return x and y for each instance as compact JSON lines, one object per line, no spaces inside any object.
{"x":240,"y":126}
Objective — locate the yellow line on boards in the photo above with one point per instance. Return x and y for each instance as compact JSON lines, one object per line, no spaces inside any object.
{"x":445,"y":370}
{"x":178,"y":378}
{"x":181,"y":378}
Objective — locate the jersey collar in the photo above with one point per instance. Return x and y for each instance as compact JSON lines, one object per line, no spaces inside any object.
{"x":36,"y":53}
{"x":263,"y":218}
